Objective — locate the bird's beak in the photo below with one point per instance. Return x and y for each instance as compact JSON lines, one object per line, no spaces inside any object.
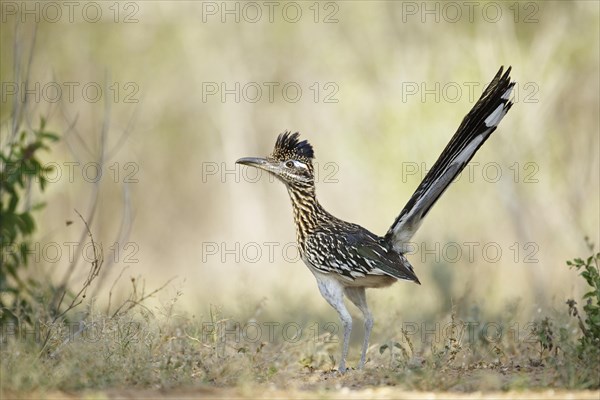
{"x":262,"y":163}
{"x":258,"y":162}
{"x":253,"y":162}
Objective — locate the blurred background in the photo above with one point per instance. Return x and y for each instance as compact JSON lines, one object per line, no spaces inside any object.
{"x":161,"y":98}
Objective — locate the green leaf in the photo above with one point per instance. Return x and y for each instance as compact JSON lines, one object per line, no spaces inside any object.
{"x":38,"y":206}
{"x":52,"y":136}
{"x":28,"y":224}
{"x":12,"y":205}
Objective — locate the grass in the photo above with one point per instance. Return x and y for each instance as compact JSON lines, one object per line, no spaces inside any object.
{"x":135,"y":346}
{"x":160,"y":349}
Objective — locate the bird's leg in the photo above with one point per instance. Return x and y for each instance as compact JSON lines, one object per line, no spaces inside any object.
{"x":333,"y":292}
{"x":358,"y":297}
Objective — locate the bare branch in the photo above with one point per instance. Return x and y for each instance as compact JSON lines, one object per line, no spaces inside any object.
{"x":133,"y":302}
{"x":96,"y":266}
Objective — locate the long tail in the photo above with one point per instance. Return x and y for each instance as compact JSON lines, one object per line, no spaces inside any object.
{"x":474,"y":130}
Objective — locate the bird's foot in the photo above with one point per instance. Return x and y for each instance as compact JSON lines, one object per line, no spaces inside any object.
{"x":361,"y":364}
{"x":342,"y":367}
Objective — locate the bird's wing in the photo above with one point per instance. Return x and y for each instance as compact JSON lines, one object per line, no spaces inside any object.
{"x":474,"y":130}
{"x":355,"y":255}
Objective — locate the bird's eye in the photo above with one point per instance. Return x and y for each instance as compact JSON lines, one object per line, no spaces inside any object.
{"x":289,"y":164}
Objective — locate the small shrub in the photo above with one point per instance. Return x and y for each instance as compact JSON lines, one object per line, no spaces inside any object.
{"x":20,"y":170}
{"x":589,"y":323}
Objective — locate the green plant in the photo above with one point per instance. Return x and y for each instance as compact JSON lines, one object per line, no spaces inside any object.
{"x":543,"y":331}
{"x":589,"y":324}
{"x":20,"y":171}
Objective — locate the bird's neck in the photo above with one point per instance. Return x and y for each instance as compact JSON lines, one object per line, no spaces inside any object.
{"x":307,"y":210}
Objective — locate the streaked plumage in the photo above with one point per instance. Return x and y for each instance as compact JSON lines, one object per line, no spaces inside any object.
{"x":346,"y":258}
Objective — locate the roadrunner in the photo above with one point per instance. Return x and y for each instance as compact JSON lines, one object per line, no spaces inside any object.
{"x":346,"y":258}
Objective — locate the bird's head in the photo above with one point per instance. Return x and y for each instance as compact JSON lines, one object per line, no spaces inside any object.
{"x":290,"y":161}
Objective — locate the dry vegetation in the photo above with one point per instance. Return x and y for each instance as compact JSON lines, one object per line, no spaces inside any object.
{"x":100,"y":325}
{"x":158,"y":351}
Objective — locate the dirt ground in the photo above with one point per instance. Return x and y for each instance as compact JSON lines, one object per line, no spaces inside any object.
{"x":343,"y":393}
{"x":328,"y":385}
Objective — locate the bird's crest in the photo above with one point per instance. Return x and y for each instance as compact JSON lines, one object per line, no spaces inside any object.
{"x":289,"y":146}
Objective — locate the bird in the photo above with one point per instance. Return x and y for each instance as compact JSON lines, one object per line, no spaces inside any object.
{"x":346,"y":258}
